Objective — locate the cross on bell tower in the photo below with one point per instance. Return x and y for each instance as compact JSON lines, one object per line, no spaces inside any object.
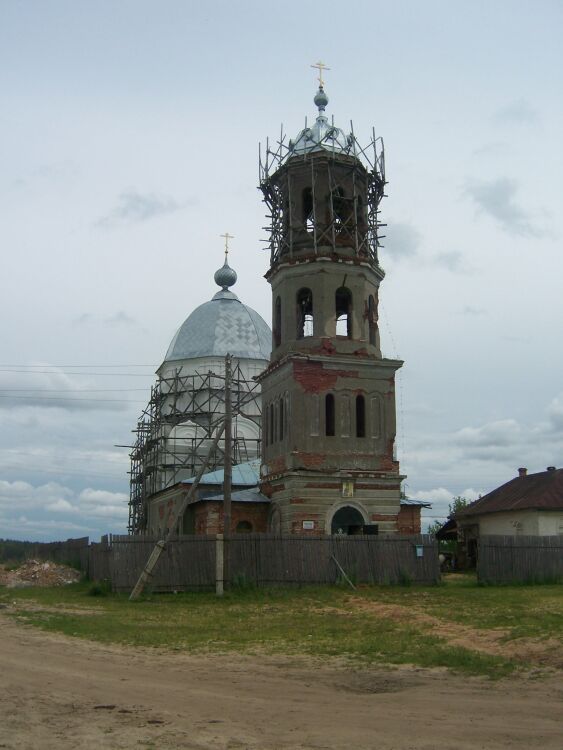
{"x":328,"y":396}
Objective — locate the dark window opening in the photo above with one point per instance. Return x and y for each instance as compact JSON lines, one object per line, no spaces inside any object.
{"x":347,"y":520}
{"x":343,"y":304}
{"x":372,"y":321}
{"x":329,"y":415}
{"x":271,"y":424}
{"x":360,"y":213}
{"x":341,"y":208}
{"x":360,"y":416}
{"x":304,"y":313}
{"x":277,"y":322}
{"x":281,"y":419}
{"x":308,"y":209}
{"x":244,"y":527}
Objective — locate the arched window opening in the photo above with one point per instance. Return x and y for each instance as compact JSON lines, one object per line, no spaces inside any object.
{"x":304,"y":313}
{"x":347,"y":520}
{"x":360,"y":416}
{"x":277,"y":322}
{"x":360,"y":213}
{"x":271,"y":424}
{"x":244,"y":527}
{"x":281,"y":419}
{"x":372,"y":321}
{"x":343,"y":305}
{"x":341,"y":208}
{"x":308,"y":209}
{"x":329,"y":415}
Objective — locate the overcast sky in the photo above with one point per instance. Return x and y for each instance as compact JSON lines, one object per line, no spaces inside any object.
{"x":129,"y":137}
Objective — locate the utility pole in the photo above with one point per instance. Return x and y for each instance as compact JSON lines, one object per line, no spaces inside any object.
{"x":227,"y":478}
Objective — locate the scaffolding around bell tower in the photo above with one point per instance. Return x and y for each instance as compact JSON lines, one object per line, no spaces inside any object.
{"x":348,"y":221}
{"x":176,"y":428}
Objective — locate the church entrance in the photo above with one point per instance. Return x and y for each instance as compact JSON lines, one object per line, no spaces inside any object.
{"x":347,"y":520}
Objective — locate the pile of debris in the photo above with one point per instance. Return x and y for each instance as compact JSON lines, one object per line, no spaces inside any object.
{"x":38,"y":573}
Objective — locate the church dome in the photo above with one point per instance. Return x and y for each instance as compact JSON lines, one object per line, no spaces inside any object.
{"x":224,"y":325}
{"x":322,"y":136}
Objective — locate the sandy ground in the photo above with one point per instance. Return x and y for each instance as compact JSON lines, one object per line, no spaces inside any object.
{"x":58,"y":692}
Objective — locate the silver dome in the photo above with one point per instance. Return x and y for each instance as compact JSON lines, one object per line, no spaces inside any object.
{"x":322,"y":136}
{"x":222,"y":326}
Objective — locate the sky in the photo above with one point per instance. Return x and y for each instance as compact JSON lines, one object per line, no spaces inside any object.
{"x":129,"y":139}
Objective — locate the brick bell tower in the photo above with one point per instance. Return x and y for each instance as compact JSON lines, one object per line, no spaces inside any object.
{"x":328,"y":395}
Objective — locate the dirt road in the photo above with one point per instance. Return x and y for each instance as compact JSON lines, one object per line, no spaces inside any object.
{"x":58,"y":692}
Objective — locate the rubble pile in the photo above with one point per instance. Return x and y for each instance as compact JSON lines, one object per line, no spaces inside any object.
{"x":38,"y":573}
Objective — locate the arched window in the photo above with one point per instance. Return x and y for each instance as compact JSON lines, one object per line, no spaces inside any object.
{"x":343,"y":305}
{"x":329,"y":415}
{"x":244,"y":527}
{"x":341,"y":208}
{"x":372,"y":321}
{"x":360,"y":416}
{"x":271,"y":424}
{"x":308,"y":209}
{"x":277,"y":322}
{"x":360,"y":213}
{"x":281,"y":419}
{"x":304,"y":313}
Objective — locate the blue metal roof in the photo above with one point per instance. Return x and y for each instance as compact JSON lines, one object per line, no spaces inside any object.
{"x":245,"y":475}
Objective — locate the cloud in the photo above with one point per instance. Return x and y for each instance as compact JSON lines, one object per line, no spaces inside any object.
{"x":497,"y":199}
{"x":120,"y":318}
{"x":469,"y":310}
{"x":402,"y":240}
{"x":555,"y":413}
{"x":517,"y":112}
{"x":453,"y":261}
{"x":30,"y":508}
{"x":133,"y":207}
{"x":43,"y":386}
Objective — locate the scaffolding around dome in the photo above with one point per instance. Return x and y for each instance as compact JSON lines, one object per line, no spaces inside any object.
{"x":176,"y":428}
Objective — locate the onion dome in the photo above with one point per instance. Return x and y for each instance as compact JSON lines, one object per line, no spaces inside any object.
{"x":322,"y":136}
{"x":224,"y":325}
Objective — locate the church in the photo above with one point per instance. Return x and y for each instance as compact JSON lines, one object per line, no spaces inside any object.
{"x":314,"y":416}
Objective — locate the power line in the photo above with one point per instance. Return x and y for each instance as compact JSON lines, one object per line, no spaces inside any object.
{"x":75,"y":366}
{"x":70,"y":390}
{"x":63,"y":398}
{"x":67,"y":372}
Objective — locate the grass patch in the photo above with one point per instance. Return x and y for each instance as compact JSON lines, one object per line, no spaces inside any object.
{"x":319,"y":622}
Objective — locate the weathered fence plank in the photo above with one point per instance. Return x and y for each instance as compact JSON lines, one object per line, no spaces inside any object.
{"x":520,"y":559}
{"x":188,"y":562}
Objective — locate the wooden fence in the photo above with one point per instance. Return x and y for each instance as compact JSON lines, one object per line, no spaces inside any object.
{"x":520,"y":559}
{"x":189,"y":562}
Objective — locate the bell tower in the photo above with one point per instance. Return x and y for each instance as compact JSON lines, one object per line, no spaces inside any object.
{"x":328,"y":395}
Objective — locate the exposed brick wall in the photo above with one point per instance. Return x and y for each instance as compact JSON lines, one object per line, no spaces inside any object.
{"x":313,"y":378}
{"x":408,"y":521}
{"x":209,"y":517}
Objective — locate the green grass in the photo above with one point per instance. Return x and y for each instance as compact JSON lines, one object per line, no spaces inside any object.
{"x":319,"y":622}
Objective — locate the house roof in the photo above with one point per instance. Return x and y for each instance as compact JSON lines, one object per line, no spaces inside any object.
{"x":243,"y":475}
{"x":541,"y":491}
{"x":419,"y":503}
{"x":253,"y":495}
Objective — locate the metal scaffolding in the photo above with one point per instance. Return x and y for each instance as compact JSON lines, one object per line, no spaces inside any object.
{"x":353,"y":224}
{"x":161,"y":457}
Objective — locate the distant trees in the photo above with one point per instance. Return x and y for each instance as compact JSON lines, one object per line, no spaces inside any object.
{"x":457,"y":504}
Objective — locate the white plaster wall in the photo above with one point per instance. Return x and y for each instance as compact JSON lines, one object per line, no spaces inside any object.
{"x":515,"y":523}
{"x":550,"y":523}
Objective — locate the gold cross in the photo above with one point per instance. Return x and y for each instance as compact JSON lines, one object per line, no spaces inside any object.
{"x":227,"y":237}
{"x":320,"y":67}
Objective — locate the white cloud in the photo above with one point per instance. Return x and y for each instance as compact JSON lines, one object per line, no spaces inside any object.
{"x":133,"y":206}
{"x":497,"y":198}
{"x":402,"y":240}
